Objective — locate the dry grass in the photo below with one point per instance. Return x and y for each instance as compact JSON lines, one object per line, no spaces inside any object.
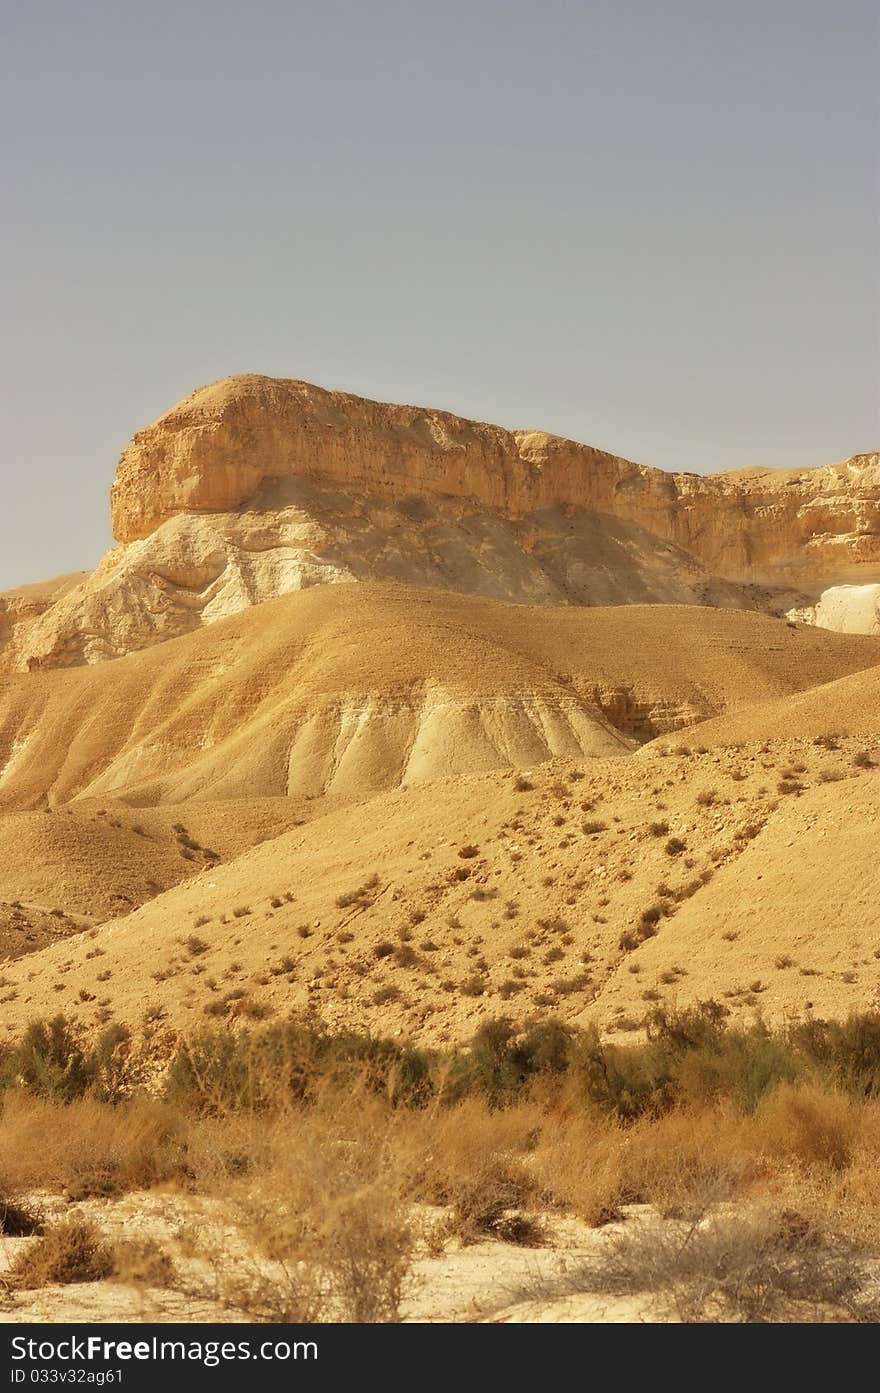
{"x":592,"y":1166}
{"x":143,"y":1262}
{"x":318,"y":1197}
{"x":89,"y":1148}
{"x":19,"y":1218}
{"x":317,"y":1226}
{"x":362,"y":896}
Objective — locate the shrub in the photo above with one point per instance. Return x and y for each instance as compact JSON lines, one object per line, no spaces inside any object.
{"x":629,"y":1083}
{"x":486,"y":1205}
{"x":763,"y":1266}
{"x":848,"y":1051}
{"x":18,"y":1218}
{"x":142,"y":1262}
{"x":254,"y":1010}
{"x":220,"y":1072}
{"x":509,"y":987}
{"x":502,"y":1059}
{"x":383,"y":995}
{"x":810,"y":1125}
{"x":789,"y":785}
{"x":362,"y":896}
{"x":475,"y":985}
{"x":53,"y":1060}
{"x":405,"y":956}
{"x":71,"y":1251}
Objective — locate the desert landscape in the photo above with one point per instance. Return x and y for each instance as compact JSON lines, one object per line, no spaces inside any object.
{"x":439,"y":882}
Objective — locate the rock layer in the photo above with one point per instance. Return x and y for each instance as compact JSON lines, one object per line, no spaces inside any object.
{"x":848,"y":609}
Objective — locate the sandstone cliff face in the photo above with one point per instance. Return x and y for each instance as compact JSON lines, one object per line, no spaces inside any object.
{"x":21,"y":608}
{"x":295,"y":534}
{"x":253,"y":487}
{"x":212,"y":452}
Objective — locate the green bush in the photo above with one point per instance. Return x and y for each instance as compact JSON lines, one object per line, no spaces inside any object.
{"x":847,"y":1052}
{"x":690,"y":1056}
{"x":219,"y":1072}
{"x":53,"y":1060}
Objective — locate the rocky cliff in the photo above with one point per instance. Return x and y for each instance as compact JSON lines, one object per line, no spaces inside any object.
{"x":255,"y":486}
{"x":213,"y":451}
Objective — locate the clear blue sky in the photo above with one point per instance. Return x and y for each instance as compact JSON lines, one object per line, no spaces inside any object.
{"x":648,"y":224}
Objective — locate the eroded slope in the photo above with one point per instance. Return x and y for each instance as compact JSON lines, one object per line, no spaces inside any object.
{"x":343,"y":691}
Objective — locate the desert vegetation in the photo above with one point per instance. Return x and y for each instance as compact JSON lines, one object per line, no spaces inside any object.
{"x":734,"y":1167}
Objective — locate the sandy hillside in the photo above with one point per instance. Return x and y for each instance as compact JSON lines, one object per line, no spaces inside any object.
{"x":98,"y":860}
{"x":344,"y":691}
{"x":591,"y":892}
{"x":849,"y":706}
{"x":409,"y":810}
{"x":557,"y":751}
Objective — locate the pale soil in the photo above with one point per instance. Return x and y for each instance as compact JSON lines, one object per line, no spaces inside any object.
{"x":847,"y":706}
{"x":97,"y":859}
{"x":485,"y":1281}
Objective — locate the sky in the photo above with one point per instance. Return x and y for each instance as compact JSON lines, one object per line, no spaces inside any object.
{"x":649,"y":226}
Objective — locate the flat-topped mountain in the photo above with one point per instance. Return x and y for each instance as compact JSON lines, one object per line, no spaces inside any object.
{"x":214,"y":450}
{"x":255,"y":486}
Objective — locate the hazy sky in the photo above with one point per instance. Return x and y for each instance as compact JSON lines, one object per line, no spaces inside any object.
{"x":651,"y":225}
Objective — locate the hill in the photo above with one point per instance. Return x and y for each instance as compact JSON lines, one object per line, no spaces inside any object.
{"x":848,"y":706}
{"x":589,"y":893}
{"x":343,"y":691}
